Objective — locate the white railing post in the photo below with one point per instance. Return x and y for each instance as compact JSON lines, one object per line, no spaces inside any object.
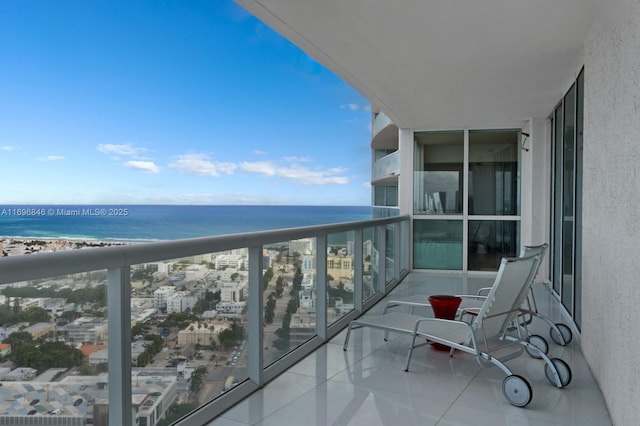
{"x":119,"y":349}
{"x":397,"y":258}
{"x":255,"y":314}
{"x":381,"y":285}
{"x":321,"y":286}
{"x":358,"y":266}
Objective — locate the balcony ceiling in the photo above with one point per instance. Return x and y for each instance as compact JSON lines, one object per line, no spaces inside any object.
{"x":441,"y":64}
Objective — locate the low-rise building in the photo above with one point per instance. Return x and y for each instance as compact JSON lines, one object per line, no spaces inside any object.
{"x":229,"y":261}
{"x":41,"y":329}
{"x":180,"y":301}
{"x":86,"y":329}
{"x":231,"y":308}
{"x":233,"y":292}
{"x":161,"y":295}
{"x":202,"y":333}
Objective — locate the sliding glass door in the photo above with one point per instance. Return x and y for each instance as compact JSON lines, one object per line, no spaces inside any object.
{"x":567,"y":199}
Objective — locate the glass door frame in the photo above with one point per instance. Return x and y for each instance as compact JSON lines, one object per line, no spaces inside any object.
{"x":569,"y":295}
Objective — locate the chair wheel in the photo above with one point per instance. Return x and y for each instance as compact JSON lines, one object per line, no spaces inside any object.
{"x":563,"y":370}
{"x":540,"y":343}
{"x":564,"y":337}
{"x":517,"y":390}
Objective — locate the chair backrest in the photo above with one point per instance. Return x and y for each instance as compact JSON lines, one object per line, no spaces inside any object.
{"x":509,"y":289}
{"x":539,"y":250}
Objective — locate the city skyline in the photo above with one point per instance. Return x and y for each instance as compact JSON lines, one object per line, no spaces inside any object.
{"x":171,"y":103}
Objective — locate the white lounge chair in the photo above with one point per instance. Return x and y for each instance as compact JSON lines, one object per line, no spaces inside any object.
{"x":559,"y":332}
{"x":495,"y":327}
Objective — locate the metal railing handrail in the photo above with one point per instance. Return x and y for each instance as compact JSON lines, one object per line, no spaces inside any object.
{"x":42,"y":265}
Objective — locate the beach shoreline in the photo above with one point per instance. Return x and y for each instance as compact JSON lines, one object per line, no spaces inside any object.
{"x":17,"y":246}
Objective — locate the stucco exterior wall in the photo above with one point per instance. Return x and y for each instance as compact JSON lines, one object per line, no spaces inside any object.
{"x":611,"y":208}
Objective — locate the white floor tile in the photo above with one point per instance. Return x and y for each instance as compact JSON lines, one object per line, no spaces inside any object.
{"x":367,"y":384}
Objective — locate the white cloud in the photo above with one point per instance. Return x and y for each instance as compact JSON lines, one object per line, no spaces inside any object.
{"x":366,"y":184}
{"x":298,"y":159}
{"x":307,"y":176}
{"x":7,"y":148}
{"x":200,"y":165}
{"x":143,"y":166}
{"x":350,"y":107}
{"x":261,"y":167}
{"x":356,"y":107}
{"x":122,"y":149}
{"x":259,"y":152}
{"x":51,"y":158}
{"x":297,"y":173}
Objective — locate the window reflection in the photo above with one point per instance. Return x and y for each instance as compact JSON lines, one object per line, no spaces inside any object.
{"x":437,"y":244}
{"x":493,"y":172}
{"x":439,"y":172}
{"x":490,"y":241}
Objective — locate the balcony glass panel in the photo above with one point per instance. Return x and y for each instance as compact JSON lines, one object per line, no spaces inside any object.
{"x":386,"y":195}
{"x":490,"y":241}
{"x":367,"y":264}
{"x":189,"y":330}
{"x":437,"y":244}
{"x":57,"y":332}
{"x":289,"y":284}
{"x":439,"y":172}
{"x":493,"y":172}
{"x":340,"y":273}
{"x":391,"y":252}
{"x":404,"y":248}
{"x":387,"y":166}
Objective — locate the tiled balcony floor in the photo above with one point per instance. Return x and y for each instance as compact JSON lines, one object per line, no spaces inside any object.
{"x":367,"y":385}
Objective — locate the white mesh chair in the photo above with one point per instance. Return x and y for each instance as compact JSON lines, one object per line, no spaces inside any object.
{"x":495,"y":327}
{"x":559,"y":332}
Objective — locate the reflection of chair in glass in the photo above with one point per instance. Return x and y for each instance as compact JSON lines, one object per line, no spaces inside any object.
{"x":495,"y":327}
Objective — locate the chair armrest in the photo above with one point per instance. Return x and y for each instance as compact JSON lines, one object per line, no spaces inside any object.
{"x":483,"y":291}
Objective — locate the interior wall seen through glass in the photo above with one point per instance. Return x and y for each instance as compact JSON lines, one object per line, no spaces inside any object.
{"x":490,"y":241}
{"x":493,"y":172}
{"x":439,"y":172}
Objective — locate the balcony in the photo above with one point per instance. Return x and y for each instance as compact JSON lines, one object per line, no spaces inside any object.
{"x":367,"y":383}
{"x":386,"y":169}
{"x":283,"y":295}
{"x":384,"y":133}
{"x":256,"y":380}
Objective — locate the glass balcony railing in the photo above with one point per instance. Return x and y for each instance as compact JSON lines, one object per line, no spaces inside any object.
{"x":386,"y":167}
{"x":180,"y":331}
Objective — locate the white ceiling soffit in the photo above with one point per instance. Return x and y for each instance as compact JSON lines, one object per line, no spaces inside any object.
{"x":442,"y":63}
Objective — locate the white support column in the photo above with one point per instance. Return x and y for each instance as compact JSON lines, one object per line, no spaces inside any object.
{"x":405,"y":180}
{"x":534,"y":182}
{"x":540,"y":220}
{"x":255,"y":310}
{"x":119,"y":349}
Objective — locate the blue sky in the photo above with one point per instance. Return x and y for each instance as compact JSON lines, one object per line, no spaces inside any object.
{"x":171,"y":102}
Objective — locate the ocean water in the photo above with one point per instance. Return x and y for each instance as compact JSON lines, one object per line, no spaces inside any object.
{"x":162,"y":222}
